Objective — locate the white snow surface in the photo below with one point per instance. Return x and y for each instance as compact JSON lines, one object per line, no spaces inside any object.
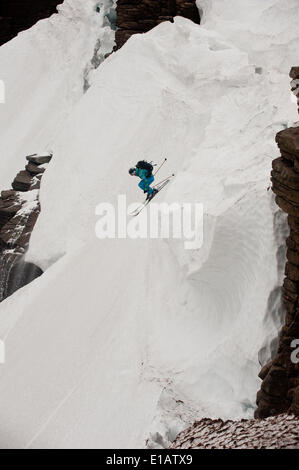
{"x":43,"y":70}
{"x":124,"y":343}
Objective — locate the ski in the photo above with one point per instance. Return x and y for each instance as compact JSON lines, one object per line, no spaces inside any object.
{"x":139,"y":209}
{"x":158,"y":188}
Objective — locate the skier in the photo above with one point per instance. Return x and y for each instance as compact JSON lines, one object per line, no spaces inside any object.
{"x":144,"y":171}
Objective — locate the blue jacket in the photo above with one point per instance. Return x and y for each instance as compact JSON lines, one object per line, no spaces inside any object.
{"x":142,"y":174}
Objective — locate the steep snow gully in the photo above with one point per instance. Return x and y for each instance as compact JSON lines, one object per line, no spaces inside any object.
{"x":124,"y":343}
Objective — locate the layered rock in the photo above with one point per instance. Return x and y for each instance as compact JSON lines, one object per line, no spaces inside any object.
{"x":17,"y":15}
{"x":134,"y":16}
{"x":280,"y":379}
{"x":278,"y":432}
{"x":19,"y":210}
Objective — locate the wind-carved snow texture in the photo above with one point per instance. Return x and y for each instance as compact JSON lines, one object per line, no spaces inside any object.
{"x":128,"y":341}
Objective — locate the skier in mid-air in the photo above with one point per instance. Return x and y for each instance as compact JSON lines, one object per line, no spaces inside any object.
{"x":144,"y":171}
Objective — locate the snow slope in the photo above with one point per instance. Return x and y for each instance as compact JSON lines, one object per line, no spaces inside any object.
{"x":124,"y":342}
{"x":43,"y":70}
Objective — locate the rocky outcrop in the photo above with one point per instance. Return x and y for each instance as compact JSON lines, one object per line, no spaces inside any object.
{"x":17,"y":15}
{"x":134,"y":16}
{"x":280,"y":379}
{"x":279,"y":432}
{"x":19,"y":210}
{"x":295,"y":83}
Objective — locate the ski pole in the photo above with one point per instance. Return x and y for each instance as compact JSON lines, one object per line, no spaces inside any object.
{"x":164,"y":161}
{"x":168,"y":178}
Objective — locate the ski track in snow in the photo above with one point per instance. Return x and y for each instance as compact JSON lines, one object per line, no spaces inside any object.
{"x":121,"y":343}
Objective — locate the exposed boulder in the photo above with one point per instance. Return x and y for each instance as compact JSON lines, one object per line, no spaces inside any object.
{"x":288,"y":141}
{"x":22,"y":181}
{"x":34,"y":169}
{"x":39,"y":159}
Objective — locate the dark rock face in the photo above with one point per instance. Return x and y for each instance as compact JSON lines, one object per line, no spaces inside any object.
{"x":295,"y":83}
{"x":280,"y":387}
{"x":19,"y":210}
{"x":135,"y":16}
{"x":18,"y":15}
{"x":20,"y":275}
{"x":278,"y":432}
